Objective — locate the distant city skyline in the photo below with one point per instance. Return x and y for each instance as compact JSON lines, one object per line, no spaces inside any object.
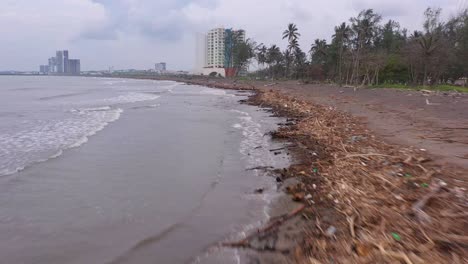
{"x":135,"y":34}
{"x":61,"y":64}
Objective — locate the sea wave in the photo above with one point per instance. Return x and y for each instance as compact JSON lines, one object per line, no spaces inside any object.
{"x":132,"y":97}
{"x":48,"y":140}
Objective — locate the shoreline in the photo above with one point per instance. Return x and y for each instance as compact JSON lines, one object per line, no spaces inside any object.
{"x":366,"y":200}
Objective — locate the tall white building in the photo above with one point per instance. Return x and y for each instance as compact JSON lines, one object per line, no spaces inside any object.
{"x":211,"y":50}
{"x":215,"y":48}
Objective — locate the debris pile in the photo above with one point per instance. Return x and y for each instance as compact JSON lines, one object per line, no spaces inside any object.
{"x":368,"y":201}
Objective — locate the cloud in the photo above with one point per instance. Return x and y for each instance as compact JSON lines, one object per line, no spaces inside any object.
{"x":164,"y":19}
{"x":137,"y":33}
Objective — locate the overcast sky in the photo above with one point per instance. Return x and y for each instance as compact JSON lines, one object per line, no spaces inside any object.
{"x":138,"y":33}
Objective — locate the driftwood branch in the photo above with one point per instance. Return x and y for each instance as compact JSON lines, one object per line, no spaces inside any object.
{"x":278,"y":222}
{"x":393,"y":254}
{"x":419,"y":205}
{"x":260,"y":168}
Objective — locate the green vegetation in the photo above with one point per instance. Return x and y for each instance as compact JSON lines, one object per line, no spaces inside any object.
{"x":365,"y":51}
{"x":440,"y":87}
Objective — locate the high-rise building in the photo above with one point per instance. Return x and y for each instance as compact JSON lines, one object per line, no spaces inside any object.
{"x":65,"y":62}
{"x":74,"y":67}
{"x":214,"y":50}
{"x":44,"y":69}
{"x":52,"y":64}
{"x":59,"y":61}
{"x":62,"y":64}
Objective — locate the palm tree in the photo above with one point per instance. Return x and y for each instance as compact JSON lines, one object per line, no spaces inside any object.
{"x":273,"y":58}
{"x":300,"y":60}
{"x":261,"y":54}
{"x":341,"y":37}
{"x":365,"y":28}
{"x":293,"y":45}
{"x":287,"y":59}
{"x":291,"y":33}
{"x":430,"y":40}
{"x":319,"y":51}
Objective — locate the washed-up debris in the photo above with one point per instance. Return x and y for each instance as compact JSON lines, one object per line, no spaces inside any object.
{"x":245,"y":243}
{"x":259,"y":191}
{"x":298,"y":197}
{"x":396,"y":236}
{"x":330,"y":232}
{"x":357,"y":174}
{"x":261,"y":168}
{"x":429,"y":103}
{"x":355,"y":139}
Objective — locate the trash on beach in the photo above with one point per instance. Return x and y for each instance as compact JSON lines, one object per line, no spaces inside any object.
{"x":259,"y":191}
{"x":298,"y":197}
{"x":396,"y":236}
{"x":331,"y":231}
{"x":355,"y":139}
{"x":362,"y":250}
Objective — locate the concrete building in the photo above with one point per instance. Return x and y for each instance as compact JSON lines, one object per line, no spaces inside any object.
{"x":61,"y":64}
{"x":44,"y":69}
{"x":214,"y":50}
{"x":74,"y":67}
{"x":59,"y":61}
{"x":65,"y":62}
{"x":52,"y":65}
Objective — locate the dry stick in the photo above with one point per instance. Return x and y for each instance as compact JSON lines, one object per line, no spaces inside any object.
{"x":454,"y":215}
{"x":385,"y":180}
{"x":452,"y":239}
{"x":351,"y":225}
{"x":365,"y":155}
{"x":398,"y":255}
{"x":422,"y":168}
{"x":419,"y":205}
{"x":278,"y":149}
{"x":245,"y":242}
{"x":260,"y":168}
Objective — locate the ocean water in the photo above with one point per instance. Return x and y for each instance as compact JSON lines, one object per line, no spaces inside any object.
{"x":99,"y":170}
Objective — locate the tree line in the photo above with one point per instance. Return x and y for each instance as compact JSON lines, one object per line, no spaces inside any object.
{"x":365,"y":50}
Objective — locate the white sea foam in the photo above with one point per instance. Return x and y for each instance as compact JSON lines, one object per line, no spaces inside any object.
{"x":170,"y":88}
{"x":48,"y":139}
{"x":131,"y":97}
{"x":211,"y":91}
